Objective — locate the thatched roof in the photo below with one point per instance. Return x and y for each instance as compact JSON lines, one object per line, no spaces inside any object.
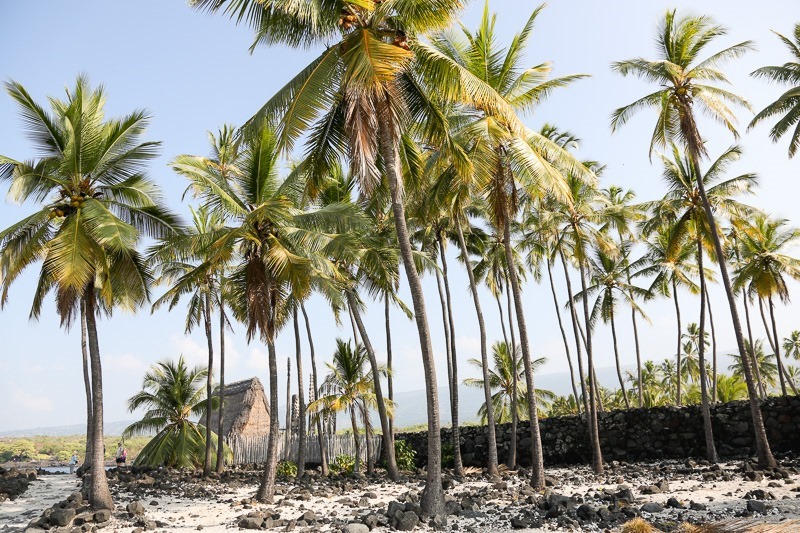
{"x":245,"y":409}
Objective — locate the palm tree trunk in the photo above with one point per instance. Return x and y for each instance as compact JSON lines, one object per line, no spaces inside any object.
{"x":678,"y":318}
{"x":99,"y":495}
{"x":323,"y":451}
{"x":502,"y":318}
{"x":287,"y":435}
{"x":220,"y":422}
{"x":708,"y":430}
{"x":781,"y":368}
{"x":511,"y":462}
{"x":301,"y":415}
{"x":357,"y":466}
{"x":87,"y":385}
{"x":765,"y":457}
{"x":616,"y":357}
{"x":563,"y":334}
{"x":537,"y":458}
{"x":432,"y":501}
{"x":448,"y":349}
{"x":389,"y":362}
{"x":772,"y":344}
{"x":209,"y":382}
{"x":636,"y":344}
{"x":388,"y":445}
{"x":491,"y":459}
{"x":574,"y":315}
{"x":761,"y":385}
{"x":713,"y":350}
{"x":356,"y":339}
{"x":266,"y":489}
{"x":594,"y":430}
{"x":368,"y":439}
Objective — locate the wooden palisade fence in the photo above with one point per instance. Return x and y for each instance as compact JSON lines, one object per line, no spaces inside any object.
{"x":254,"y":449}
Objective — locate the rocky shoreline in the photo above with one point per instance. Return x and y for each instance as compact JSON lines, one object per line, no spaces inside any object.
{"x":666,"y":494}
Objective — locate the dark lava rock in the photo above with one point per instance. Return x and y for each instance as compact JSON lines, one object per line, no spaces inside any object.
{"x":674,"y":503}
{"x":587,"y":512}
{"x":625,"y":495}
{"x":759,"y":494}
{"x":406,"y":521}
{"x":135,"y":508}
{"x":62,"y":517}
{"x":757,"y":506}
{"x":652,"y":507}
{"x":102,"y":516}
{"x":251,"y":522}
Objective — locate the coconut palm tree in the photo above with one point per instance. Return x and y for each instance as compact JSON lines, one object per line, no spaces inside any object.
{"x":501,"y":380}
{"x":685,"y":85}
{"x":791,"y":345}
{"x":788,"y":104}
{"x":763,"y":267}
{"x":767,"y":369}
{"x":654,"y":393}
{"x":509,"y":161}
{"x":691,"y":362}
{"x":610,"y":275}
{"x":197,"y":277}
{"x":171,"y":393}
{"x":95,"y":204}
{"x":348,"y":387}
{"x":369,"y":86}
{"x":277,"y":250}
{"x":731,"y":388}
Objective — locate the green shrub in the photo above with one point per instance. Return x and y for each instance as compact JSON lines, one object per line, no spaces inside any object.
{"x":343,"y":464}
{"x":404,"y":454}
{"x":448,"y":455}
{"x":286,"y":470}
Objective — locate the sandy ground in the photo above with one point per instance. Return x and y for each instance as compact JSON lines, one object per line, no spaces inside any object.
{"x":222,"y":509}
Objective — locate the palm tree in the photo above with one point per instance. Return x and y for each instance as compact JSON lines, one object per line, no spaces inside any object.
{"x":685,"y":86}
{"x":793,"y":374}
{"x":96,"y":202}
{"x":501,"y":378}
{"x":280,"y":251}
{"x":622,"y":215}
{"x":348,"y":387}
{"x":763,"y":267}
{"x":372,"y":82}
{"x":791,"y":345}
{"x":767,"y":369}
{"x":788,"y":104}
{"x":563,"y":406}
{"x":691,"y":349}
{"x":610,"y":275}
{"x":198,"y":277}
{"x":654,"y":392}
{"x":509,"y":160}
{"x":171,"y":393}
{"x":731,"y":388}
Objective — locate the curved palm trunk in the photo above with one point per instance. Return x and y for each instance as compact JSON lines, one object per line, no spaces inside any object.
{"x":713,"y":350}
{"x":220,"y":422}
{"x":301,"y":415}
{"x":356,"y":338}
{"x":502,"y":318}
{"x":209,"y":381}
{"x":323,"y":451}
{"x":388,"y":445}
{"x":537,"y":458}
{"x":87,"y":385}
{"x":563,"y":335}
{"x":594,"y":433}
{"x":765,"y":457}
{"x":762,"y":387}
{"x":458,"y":466}
{"x":390,"y":383}
{"x":616,"y":357}
{"x":781,"y":368}
{"x":356,"y":442}
{"x":432,"y":501}
{"x":99,"y":495}
{"x":576,"y":332}
{"x":708,"y":430}
{"x":491,"y":459}
{"x":266,"y":489}
{"x":678,"y":318}
{"x":511,"y":462}
{"x":638,"y":350}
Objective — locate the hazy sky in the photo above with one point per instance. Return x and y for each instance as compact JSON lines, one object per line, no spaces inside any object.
{"x":193,"y":73}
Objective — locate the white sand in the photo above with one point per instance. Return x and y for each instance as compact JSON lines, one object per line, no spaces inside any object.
{"x":41,"y":494}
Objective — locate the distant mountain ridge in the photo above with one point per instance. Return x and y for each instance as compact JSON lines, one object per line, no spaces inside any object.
{"x":111,"y":428}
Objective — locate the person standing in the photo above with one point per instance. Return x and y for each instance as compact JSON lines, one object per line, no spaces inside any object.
{"x":121,"y":455}
{"x":73,"y":462}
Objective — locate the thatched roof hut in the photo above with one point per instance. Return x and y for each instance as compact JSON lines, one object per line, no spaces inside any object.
{"x":245,"y":410}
